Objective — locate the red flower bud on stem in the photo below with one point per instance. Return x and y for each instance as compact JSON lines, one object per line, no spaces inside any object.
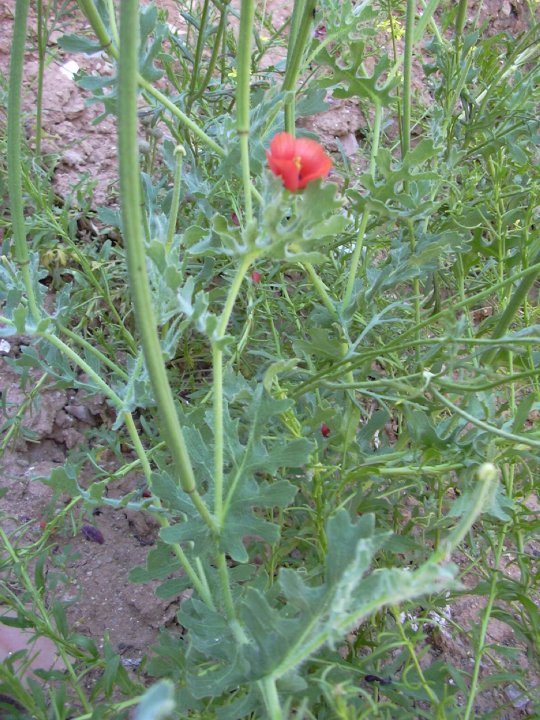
{"x":297,"y":161}
{"x":325,"y":430}
{"x":255,"y":277}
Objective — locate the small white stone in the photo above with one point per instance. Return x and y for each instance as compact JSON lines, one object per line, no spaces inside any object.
{"x":5,"y":347}
{"x":69,"y":69}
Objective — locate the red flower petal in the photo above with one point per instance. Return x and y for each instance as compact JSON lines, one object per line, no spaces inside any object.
{"x":283,"y":146}
{"x":286,"y":169}
{"x":297,"y":162}
{"x":314,"y":162}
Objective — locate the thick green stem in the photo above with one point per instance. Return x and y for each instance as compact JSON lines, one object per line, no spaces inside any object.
{"x":271,"y":698}
{"x":217,"y":368}
{"x":300,"y":33}
{"x":407,"y":78}
{"x":406,"y":137}
{"x":136,"y":256}
{"x":42,"y":43}
{"x":461,"y":18}
{"x":243,"y":70}
{"x":426,"y":18}
{"x":14,"y":172}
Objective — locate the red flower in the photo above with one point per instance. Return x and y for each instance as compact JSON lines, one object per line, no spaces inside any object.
{"x":297,"y":161}
{"x":255,"y":277}
{"x":325,"y":430}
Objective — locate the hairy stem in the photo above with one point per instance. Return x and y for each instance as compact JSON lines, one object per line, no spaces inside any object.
{"x":14,"y":172}
{"x":136,"y":256}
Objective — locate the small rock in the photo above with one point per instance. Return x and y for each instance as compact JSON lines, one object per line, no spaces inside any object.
{"x":518,"y":699}
{"x":63,"y":420}
{"x":350,"y":144}
{"x":506,"y":8}
{"x":72,"y":438}
{"x":69,"y":69}
{"x":72,"y":158}
{"x":5,"y":347}
{"x":81,"y":412}
{"x":74,"y":108}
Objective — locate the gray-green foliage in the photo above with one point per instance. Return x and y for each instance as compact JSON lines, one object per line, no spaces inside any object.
{"x":320,"y":535}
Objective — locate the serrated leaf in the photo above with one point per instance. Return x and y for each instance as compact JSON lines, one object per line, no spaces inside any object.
{"x":282,"y":638}
{"x":62,"y":480}
{"x":311,"y":101}
{"x":160,"y":563}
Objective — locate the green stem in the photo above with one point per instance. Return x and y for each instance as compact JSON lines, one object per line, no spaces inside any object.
{"x":215,"y":51}
{"x":300,"y":33}
{"x":270,"y":695}
{"x":487,"y":478}
{"x":461,"y":18}
{"x":180,"y":153}
{"x":38,"y":603}
{"x":243,"y":70}
{"x":136,"y":256}
{"x":217,"y":365}
{"x":519,"y":295}
{"x":414,"y":658}
{"x":85,"y":367}
{"x":407,"y":77}
{"x":223,"y":572}
{"x":139,"y":448}
{"x":357,"y":253}
{"x":111,"y":11}
{"x":479,"y":654}
{"x":198,"y":53}
{"x":92,"y":15}
{"x":94,"y":351}
{"x":427,"y":18}
{"x":512,"y":437}
{"x":41,"y":43}
{"x":14,"y":161}
{"x":320,"y":287}
{"x":406,"y":137}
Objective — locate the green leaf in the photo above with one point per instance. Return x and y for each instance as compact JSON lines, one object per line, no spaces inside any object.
{"x":311,"y":616}
{"x":157,"y":702}
{"x":62,"y":480}
{"x":312,"y":101}
{"x":297,"y":236}
{"x":78,"y":44}
{"x":277,"y":368}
